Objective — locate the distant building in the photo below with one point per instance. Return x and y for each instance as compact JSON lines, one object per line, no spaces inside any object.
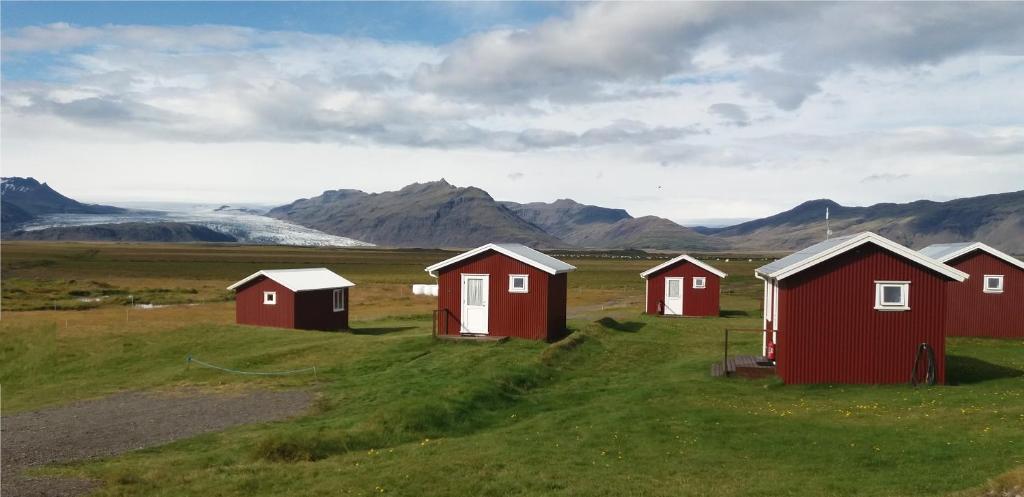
{"x":503,"y":290}
{"x":991,"y":302}
{"x":682,"y":286}
{"x":855,"y":309}
{"x":309,"y":299}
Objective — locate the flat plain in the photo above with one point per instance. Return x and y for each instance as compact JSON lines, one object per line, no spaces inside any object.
{"x":624,"y":406}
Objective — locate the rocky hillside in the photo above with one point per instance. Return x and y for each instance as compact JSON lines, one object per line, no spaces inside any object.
{"x":591,"y":226}
{"x":24,"y":198}
{"x":434,"y":214}
{"x":996,"y":219}
{"x":125,"y":232}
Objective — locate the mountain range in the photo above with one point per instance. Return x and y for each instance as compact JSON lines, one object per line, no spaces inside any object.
{"x":438,"y":214}
{"x":22,"y":199}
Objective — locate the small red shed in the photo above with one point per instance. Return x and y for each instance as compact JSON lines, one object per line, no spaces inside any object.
{"x":504,"y":290}
{"x":682,"y":286}
{"x":991,"y":302}
{"x":855,"y":309}
{"x":308,"y":299}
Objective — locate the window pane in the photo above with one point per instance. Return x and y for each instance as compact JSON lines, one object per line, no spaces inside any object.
{"x":475,"y":291}
{"x":892,"y":294}
{"x":673,"y":288}
{"x":517,"y":282}
{"x":993,"y":282}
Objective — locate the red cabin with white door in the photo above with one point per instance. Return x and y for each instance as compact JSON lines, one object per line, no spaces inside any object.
{"x":991,"y":302}
{"x":308,"y":298}
{"x":502,"y":290}
{"x":682,"y":286}
{"x":855,"y":309}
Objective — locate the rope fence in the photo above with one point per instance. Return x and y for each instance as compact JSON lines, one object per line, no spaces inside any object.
{"x":189,"y":360}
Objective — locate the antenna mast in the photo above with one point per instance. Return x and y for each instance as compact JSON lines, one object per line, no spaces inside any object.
{"x":828,"y":230}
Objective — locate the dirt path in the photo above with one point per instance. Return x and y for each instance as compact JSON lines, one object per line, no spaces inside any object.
{"x":121,"y":423}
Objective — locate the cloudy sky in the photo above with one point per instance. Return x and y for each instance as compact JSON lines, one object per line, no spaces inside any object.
{"x":691,"y":111}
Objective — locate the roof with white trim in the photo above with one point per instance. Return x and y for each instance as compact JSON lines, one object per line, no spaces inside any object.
{"x":681,"y":258}
{"x":823,"y":251}
{"x":517,"y":251}
{"x":300,"y":280}
{"x":945,"y":252}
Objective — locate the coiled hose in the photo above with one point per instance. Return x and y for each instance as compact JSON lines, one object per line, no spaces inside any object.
{"x":929,"y":376}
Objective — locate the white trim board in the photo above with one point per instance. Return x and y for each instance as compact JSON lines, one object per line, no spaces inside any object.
{"x":854,"y":241}
{"x":681,"y":258}
{"x":519,"y":252}
{"x":1009,"y":259}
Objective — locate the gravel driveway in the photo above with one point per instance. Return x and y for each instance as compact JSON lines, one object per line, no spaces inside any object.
{"x":121,"y":423}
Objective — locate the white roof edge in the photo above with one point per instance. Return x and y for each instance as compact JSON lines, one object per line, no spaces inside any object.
{"x":861,"y":239}
{"x":268,"y":273}
{"x":432,"y":270}
{"x":984,"y":248}
{"x":683,"y":257}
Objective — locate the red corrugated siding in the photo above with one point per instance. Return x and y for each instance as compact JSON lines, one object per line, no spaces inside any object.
{"x":829,"y":331}
{"x":973,"y":313}
{"x":250,"y":309}
{"x":314,"y":310}
{"x":522,"y":315}
{"x":696,"y":302}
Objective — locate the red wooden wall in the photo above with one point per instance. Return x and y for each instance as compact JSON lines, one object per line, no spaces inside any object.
{"x":538,"y":315}
{"x":250,"y":309}
{"x":314,"y":310}
{"x":696,"y":301}
{"x":829,"y":331}
{"x":974,"y":313}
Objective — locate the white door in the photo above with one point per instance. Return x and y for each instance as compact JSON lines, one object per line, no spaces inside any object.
{"x":673,"y":296}
{"x":474,"y":303}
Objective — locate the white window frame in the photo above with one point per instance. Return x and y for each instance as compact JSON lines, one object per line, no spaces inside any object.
{"x":902,"y":305}
{"x":526,"y":283}
{"x":338,"y":299}
{"x":996,"y":289}
{"x":269,"y":298}
{"x":702,"y":280}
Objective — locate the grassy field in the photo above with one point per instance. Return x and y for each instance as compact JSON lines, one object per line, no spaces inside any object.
{"x":625,"y":406}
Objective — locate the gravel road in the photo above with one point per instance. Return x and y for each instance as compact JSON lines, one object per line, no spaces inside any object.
{"x":120,"y":423}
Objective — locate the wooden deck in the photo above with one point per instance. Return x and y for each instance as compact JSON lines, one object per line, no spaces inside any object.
{"x":472,"y":338}
{"x":744,"y":366}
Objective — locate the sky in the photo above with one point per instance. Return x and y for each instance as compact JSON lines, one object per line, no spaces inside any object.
{"x":690,"y":111}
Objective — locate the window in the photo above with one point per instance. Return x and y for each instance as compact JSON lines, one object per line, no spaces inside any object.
{"x":270,"y":298}
{"x":674,"y":286}
{"x":993,"y":283}
{"x":699,"y":282}
{"x":892,"y":295}
{"x":518,"y":283}
{"x":475,"y":291}
{"x":339,"y":300}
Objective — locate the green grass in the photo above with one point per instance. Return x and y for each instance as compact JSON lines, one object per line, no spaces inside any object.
{"x":625,"y":406}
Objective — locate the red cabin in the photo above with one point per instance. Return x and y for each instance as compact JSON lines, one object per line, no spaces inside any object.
{"x":502,"y":290}
{"x":683,"y":286}
{"x":991,"y":302}
{"x":308,"y":299}
{"x":855,"y":309}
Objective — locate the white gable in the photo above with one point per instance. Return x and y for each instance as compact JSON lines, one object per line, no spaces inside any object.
{"x":300,"y":280}
{"x":945,"y":252}
{"x":686,"y":258}
{"x":517,"y":251}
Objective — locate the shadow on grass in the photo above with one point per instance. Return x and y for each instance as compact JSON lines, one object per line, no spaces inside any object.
{"x":381,"y":331}
{"x":963,"y":370}
{"x":628,"y":326}
{"x":733,"y":314}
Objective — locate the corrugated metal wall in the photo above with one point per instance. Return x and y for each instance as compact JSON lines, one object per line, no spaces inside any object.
{"x":522,"y":315}
{"x":974,"y":313}
{"x":314,"y":310}
{"x":250,"y":309}
{"x":829,"y":331}
{"x":696,"y":302}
